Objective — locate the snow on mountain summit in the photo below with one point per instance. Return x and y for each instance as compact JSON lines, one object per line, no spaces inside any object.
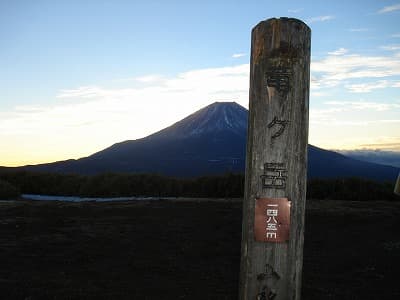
{"x":216,"y":117}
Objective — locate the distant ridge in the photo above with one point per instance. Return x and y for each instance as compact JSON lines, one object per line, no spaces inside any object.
{"x":207,"y":142}
{"x":382,"y":157}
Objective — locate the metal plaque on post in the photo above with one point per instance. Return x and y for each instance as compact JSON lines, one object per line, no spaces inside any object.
{"x":272,"y":220}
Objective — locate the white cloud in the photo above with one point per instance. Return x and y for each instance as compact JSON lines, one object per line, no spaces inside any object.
{"x":358,"y":29}
{"x":315,"y":84}
{"x":390,"y":8}
{"x":396,"y":35}
{"x":362,"y":105}
{"x":237,"y":55}
{"x":150,"y":78}
{"x":295,"y":11}
{"x":319,"y":94}
{"x":320,"y":19}
{"x":367,"y":87}
{"x":205,"y":81}
{"x":339,"y":51}
{"x":324,"y":115}
{"x":336,"y":69}
{"x":391,"y":47}
{"x":383,"y":143}
{"x":356,"y":114}
{"x":81,"y":92}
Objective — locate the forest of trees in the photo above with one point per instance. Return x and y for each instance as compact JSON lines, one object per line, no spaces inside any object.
{"x":8,"y":191}
{"x":12,"y":183}
{"x":123,"y":185}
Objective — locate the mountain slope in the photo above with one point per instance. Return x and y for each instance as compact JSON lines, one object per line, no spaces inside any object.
{"x":209,"y":141}
{"x":383,"y":157}
{"x":330,"y":164}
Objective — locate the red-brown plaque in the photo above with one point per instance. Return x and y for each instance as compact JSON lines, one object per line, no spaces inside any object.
{"x":272,"y":220}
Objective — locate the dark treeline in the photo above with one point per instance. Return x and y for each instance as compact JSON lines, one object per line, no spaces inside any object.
{"x":125,"y":185}
{"x":355,"y":189}
{"x":8,"y":191}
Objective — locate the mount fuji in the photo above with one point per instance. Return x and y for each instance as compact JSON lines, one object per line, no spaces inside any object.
{"x":208,"y":142}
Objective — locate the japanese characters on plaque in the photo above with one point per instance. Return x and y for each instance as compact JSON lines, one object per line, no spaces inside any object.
{"x":272,"y":220}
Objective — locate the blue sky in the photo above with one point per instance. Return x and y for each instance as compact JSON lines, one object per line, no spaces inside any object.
{"x":78,"y":76}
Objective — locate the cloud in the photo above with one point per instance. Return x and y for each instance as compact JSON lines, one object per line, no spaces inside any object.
{"x":388,"y":9}
{"x":334,"y":70}
{"x":395,"y":35}
{"x":388,"y":142}
{"x":237,"y":55}
{"x":81,"y":92}
{"x":319,"y":94}
{"x":358,"y":29}
{"x":295,"y":11}
{"x":324,"y":115}
{"x":365,"y":87}
{"x":363,"y":120}
{"x":368,"y":87}
{"x":320,"y":19}
{"x":339,"y":51}
{"x":362,"y":105}
{"x":334,"y":113}
{"x":386,"y":146}
{"x":391,"y":47}
{"x":208,"y":81}
{"x":150,"y":78}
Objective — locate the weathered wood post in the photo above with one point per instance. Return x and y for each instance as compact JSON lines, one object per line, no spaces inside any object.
{"x":397,"y":186}
{"x":276,"y":166}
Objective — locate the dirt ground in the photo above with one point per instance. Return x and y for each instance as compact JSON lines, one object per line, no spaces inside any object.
{"x":185,"y":250}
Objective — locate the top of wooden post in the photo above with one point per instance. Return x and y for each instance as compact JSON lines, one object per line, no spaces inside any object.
{"x":281,"y":37}
{"x":283,"y":19}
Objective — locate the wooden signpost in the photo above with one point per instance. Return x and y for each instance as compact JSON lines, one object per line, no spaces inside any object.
{"x":397,"y":186}
{"x":276,"y":166}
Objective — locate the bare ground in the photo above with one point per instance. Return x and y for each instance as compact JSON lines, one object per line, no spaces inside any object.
{"x":185,"y":250}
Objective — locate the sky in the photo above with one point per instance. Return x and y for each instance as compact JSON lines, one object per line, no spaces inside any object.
{"x":79,"y":76}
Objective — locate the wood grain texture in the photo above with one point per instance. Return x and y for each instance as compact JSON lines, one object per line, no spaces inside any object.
{"x":277,"y":138}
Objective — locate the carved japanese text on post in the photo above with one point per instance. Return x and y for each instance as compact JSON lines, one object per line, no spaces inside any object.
{"x":275,"y":175}
{"x":281,"y":125}
{"x":279,"y":78}
{"x":272,"y":220}
{"x":268,"y":282}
